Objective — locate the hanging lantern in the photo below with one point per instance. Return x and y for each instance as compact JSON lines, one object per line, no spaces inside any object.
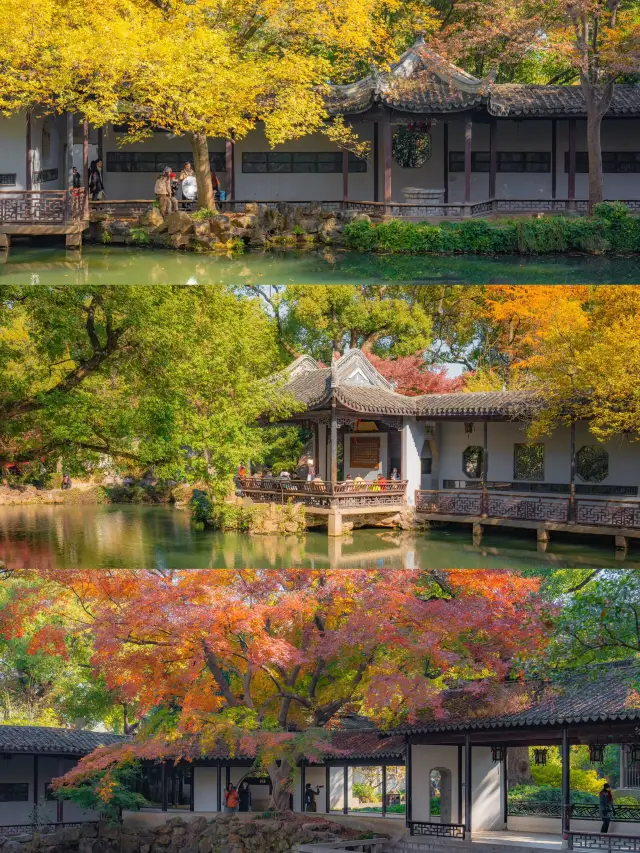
{"x":596,"y":753}
{"x":634,"y":753}
{"x":540,"y":757}
{"x":468,"y":428}
{"x":497,"y":754}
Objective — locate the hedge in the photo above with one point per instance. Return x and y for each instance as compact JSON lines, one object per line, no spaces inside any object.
{"x":612,"y":229}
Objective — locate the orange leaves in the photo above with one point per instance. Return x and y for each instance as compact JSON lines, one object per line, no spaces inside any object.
{"x":49,"y":639}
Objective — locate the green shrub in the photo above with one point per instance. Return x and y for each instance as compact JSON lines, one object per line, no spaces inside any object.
{"x":611,"y":229}
{"x":364,"y":792}
{"x":140,"y":237}
{"x":203,"y":213}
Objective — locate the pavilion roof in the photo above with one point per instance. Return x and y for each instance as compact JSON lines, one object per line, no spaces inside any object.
{"x":46,"y":739}
{"x":358,"y":386}
{"x":422,"y":82}
{"x":598,"y":694}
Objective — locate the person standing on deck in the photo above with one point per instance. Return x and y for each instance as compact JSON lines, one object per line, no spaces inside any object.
{"x":606,"y":807}
{"x":162,"y":190}
{"x":96,"y":184}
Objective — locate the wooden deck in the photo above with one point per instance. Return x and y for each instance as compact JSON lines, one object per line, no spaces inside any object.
{"x":42,"y":213}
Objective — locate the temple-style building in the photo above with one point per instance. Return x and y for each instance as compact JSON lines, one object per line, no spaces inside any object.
{"x":458,"y":457}
{"x":443,"y":143}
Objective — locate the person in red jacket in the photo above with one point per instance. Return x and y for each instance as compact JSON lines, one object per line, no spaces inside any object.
{"x":231,"y":799}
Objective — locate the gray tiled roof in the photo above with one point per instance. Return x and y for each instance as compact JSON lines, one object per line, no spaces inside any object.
{"x":361,"y":398}
{"x":511,"y":99}
{"x":45,"y":739}
{"x":599,"y":694}
{"x":481,"y":403}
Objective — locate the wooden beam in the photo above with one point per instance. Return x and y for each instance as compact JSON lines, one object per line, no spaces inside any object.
{"x":376,"y":161}
{"x":572,"y":474}
{"x":460,"y":787}
{"x":345,"y":174}
{"x":327,"y":789}
{"x":164,"y":781}
{"x":69,"y":150}
{"x":408,"y":783}
{"x":493,"y":157}
{"x":60,"y":803}
{"x":101,"y":146}
{"x":192,"y":791}
{"x":219,"y":786}
{"x":229,"y":152}
{"x":571,"y":192}
{"x":384,"y":790}
{"x":85,"y":165}
{"x":334,"y":442}
{"x":29,"y":161}
{"x":554,"y":157}
{"x":445,"y":165}
{"x":303,"y":780}
{"x":566,"y":784}
{"x":485,"y":465}
{"x":36,"y":782}
{"x":345,"y":789}
{"x":386,"y":144}
{"x":467,"y":782}
{"x":505,"y":786}
{"x":468,"y":130}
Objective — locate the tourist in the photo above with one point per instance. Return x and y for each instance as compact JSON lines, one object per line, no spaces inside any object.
{"x":394,"y":474}
{"x":606,"y":807}
{"x":349,"y":478}
{"x":231,"y":799}
{"x":382,"y":482}
{"x":311,"y":471}
{"x":245,"y":797}
{"x":175,"y":185}
{"x":317,"y":484}
{"x":76,"y":179}
{"x":189,"y":183}
{"x":162,"y":190}
{"x":66,"y":481}
{"x":358,"y":481}
{"x":310,"y":797}
{"x":96,"y":184}
{"x":215,"y":184}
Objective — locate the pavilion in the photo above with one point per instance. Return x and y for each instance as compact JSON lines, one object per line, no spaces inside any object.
{"x":460,"y":457}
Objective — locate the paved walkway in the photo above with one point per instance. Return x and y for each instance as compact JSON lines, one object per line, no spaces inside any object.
{"x":518,"y":839}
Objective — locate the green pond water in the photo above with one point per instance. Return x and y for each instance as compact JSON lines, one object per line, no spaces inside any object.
{"x":125,"y":536}
{"x":50,"y":265}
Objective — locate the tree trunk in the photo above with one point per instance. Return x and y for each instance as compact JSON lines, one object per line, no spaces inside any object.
{"x":280,"y":776}
{"x":594,"y":147}
{"x":518,"y":766}
{"x":200,"y":148}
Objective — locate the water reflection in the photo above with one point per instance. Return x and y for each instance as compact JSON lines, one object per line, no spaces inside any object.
{"x":128,"y":265}
{"x":160,"y":537}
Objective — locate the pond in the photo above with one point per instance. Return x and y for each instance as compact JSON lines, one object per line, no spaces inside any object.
{"x":51,"y":265}
{"x":133,"y":536}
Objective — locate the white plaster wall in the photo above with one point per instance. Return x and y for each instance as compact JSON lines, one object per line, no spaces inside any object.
{"x":486,"y":799}
{"x":321,"y":452}
{"x":424,"y":759}
{"x":412,"y":440}
{"x":55,"y":157}
{"x":336,"y":788}
{"x":366,"y":473}
{"x":316,"y":777}
{"x":259,"y":793}
{"x":13,"y":149}
{"x":624,"y":456}
{"x":428,"y":176}
{"x":205,"y":789}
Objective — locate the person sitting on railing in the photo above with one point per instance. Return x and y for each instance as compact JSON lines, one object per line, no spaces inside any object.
{"x":394,"y":474}
{"x":317,"y":484}
{"x":382,"y":483}
{"x":358,"y":482}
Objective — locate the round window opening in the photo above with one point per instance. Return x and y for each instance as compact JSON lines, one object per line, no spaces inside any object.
{"x":592,"y":463}
{"x":411,"y":147}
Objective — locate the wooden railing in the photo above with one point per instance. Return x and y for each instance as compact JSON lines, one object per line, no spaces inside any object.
{"x":587,"y":511}
{"x":41,"y":207}
{"x":602,"y":841}
{"x":324,"y":495}
{"x":579,"y":811}
{"x":437,"y":830}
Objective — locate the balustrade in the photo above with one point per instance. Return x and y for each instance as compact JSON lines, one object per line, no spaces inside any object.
{"x":41,"y":207}
{"x":324,"y":494}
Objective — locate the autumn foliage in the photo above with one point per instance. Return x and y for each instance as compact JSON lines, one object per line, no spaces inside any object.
{"x":265,"y":661}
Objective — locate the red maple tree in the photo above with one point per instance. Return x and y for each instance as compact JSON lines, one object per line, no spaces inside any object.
{"x":413,"y":376}
{"x":267,"y":660}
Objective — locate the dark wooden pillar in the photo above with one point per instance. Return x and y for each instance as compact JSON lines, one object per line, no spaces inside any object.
{"x":85,"y":166}
{"x":28,"y":183}
{"x":376,"y":162}
{"x":571,"y":193}
{"x":460,"y":787}
{"x":192,"y":789}
{"x":303,"y":781}
{"x":384,"y":790}
{"x":408,"y":783}
{"x":445,"y":158}
{"x":327,"y":789}
{"x":572,"y":473}
{"x":386,"y":144}
{"x":69,"y":150}
{"x":334,"y":442}
{"x":345,"y":789}
{"x":505,"y":786}
{"x":36,"y":781}
{"x":229,"y":151}
{"x":566,"y":781}
{"x":101,"y":145}
{"x":468,"y":129}
{"x":345,"y":174}
{"x":554,"y":157}
{"x":219,"y":787}
{"x":485,"y":466}
{"x":468,"y":792}
{"x":493,"y":158}
{"x":60,"y":803}
{"x":164,"y":784}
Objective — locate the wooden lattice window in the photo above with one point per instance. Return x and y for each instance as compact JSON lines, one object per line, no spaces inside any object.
{"x":528,"y":462}
{"x":592,"y":463}
{"x":365,"y":452}
{"x":14,"y":792}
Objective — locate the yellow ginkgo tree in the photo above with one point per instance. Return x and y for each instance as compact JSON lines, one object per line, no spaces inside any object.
{"x":208,"y":68}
